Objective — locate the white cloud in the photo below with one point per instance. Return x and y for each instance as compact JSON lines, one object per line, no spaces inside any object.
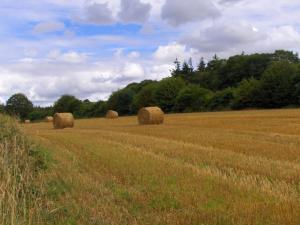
{"x":168,"y":53}
{"x":68,"y":57}
{"x":99,"y":13}
{"x":223,"y":37}
{"x":134,"y":11}
{"x":178,"y":12}
{"x":48,"y":27}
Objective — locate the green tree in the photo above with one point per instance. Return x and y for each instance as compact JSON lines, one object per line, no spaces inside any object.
{"x":278,"y":85}
{"x":246,"y":94}
{"x":175,"y":72}
{"x":19,"y":105}
{"x":145,"y":97}
{"x":121,"y":101}
{"x":67,"y":103}
{"x":192,"y":98}
{"x":99,"y":109}
{"x":2,"y":109}
{"x":167,"y":91}
{"x":201,"y":66}
{"x":39,"y":113}
{"x":221,"y":99}
{"x":282,"y":55}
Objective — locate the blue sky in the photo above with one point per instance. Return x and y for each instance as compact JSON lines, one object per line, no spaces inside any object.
{"x":90,"y":48}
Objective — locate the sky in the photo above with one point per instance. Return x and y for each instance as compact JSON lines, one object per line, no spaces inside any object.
{"x":90,"y":48}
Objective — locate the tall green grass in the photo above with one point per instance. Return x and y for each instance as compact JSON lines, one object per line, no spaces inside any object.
{"x":21,"y":189}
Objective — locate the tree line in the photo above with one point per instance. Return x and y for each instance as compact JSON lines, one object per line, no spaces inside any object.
{"x":268,"y":80}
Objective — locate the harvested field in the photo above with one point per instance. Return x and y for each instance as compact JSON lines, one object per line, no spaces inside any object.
{"x":205,"y":168}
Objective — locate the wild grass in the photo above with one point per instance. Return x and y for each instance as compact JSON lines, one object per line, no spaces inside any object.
{"x":224,"y":168}
{"x":21,"y":188}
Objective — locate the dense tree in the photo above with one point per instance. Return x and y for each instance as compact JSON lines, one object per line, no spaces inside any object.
{"x":201,"y":66}
{"x":19,"y":105}
{"x":121,"y":101}
{"x":167,"y":91}
{"x":278,"y":85}
{"x":221,"y":99}
{"x":192,"y":98}
{"x":39,"y":113}
{"x":282,"y":55}
{"x":99,"y":109}
{"x":67,"y":103}
{"x":145,"y":97}
{"x":2,"y":108}
{"x":246,"y":95}
{"x":177,"y":70}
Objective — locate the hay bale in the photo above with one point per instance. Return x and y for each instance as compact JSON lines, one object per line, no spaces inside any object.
{"x":63,"y":120}
{"x":112,"y":114}
{"x":27,"y":121}
{"x":150,"y":115}
{"x":49,"y":119}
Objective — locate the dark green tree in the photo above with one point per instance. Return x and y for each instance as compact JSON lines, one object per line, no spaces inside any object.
{"x":282,"y":55}
{"x":121,"y":101}
{"x":2,"y":108}
{"x":167,"y":91}
{"x":177,"y":70}
{"x":99,"y":109}
{"x":67,"y":103}
{"x":39,"y":113}
{"x":145,"y":97}
{"x":221,"y":100}
{"x":19,"y":105}
{"x":201,"y":66}
{"x":278,"y":85}
{"x":246,"y":95}
{"x":192,"y":98}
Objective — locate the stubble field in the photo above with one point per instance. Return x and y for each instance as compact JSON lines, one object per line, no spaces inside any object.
{"x":203,"y":168}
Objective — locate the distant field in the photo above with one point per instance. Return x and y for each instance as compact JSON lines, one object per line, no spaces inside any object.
{"x":204,"y":168}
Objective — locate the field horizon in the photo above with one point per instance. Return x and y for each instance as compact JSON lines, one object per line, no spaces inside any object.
{"x":234,"y":167}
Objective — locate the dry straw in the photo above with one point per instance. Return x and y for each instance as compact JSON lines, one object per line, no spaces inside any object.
{"x":27,"y":121}
{"x":112,"y":114}
{"x":49,"y":119}
{"x":63,"y":120}
{"x":150,"y":115}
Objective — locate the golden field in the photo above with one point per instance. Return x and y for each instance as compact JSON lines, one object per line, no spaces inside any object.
{"x":203,"y":168}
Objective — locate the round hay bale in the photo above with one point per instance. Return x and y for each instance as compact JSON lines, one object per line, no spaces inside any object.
{"x":63,"y":120}
{"x":150,"y":115}
{"x":112,"y":114}
{"x":27,"y":121}
{"x":49,"y":119}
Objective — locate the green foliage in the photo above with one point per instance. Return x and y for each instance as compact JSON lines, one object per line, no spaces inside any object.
{"x":167,"y":91}
{"x":278,"y":85}
{"x":246,"y":95}
{"x":192,"y":98}
{"x":221,"y":99}
{"x":19,"y":105}
{"x":67,"y":103}
{"x":39,"y":113}
{"x":99,"y":109}
{"x":145,"y":97}
{"x":121,"y":101}
{"x":2,"y":109}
